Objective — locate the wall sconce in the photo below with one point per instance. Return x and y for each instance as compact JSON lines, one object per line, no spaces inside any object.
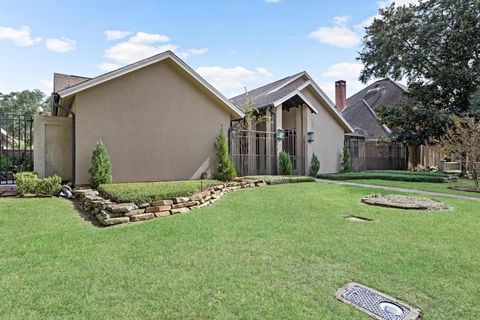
{"x":310,"y":136}
{"x":280,"y":134}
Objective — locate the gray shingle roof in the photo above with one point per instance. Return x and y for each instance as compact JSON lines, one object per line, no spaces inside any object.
{"x":359,"y":110}
{"x":261,"y":97}
{"x":62,"y":81}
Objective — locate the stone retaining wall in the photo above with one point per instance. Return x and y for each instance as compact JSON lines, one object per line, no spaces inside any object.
{"x":110,"y":213}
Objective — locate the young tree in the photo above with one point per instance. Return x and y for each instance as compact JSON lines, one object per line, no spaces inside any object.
{"x":463,"y":140}
{"x":285,"y":163}
{"x":225,"y":167}
{"x":346,"y":163}
{"x":314,"y":166}
{"x":101,"y":168}
{"x":430,"y":46}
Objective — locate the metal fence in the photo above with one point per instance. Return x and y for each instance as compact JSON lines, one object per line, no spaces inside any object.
{"x":16,"y":146}
{"x":294,"y":145}
{"x":377,"y":163}
{"x":253,"y":152}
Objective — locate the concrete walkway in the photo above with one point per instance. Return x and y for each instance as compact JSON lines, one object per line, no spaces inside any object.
{"x":430,"y":193}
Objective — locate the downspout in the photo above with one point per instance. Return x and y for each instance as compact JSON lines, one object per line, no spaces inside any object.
{"x":56,"y":105}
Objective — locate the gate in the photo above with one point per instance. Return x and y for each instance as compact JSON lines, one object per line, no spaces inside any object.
{"x":16,"y":141}
{"x":294,"y":145}
{"x":253,"y":152}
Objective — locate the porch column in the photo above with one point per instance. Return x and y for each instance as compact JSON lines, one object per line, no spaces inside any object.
{"x":307,"y":124}
{"x":278,"y":125}
{"x":300,"y":138}
{"x":269,"y":144}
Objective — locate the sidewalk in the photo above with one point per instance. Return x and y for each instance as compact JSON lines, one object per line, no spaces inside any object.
{"x":430,"y":193}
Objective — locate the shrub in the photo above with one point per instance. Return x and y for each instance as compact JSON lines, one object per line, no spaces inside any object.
{"x":49,"y":186}
{"x":101,"y":168}
{"x":285,"y":164}
{"x":346,"y":163}
{"x":5,"y":163}
{"x":29,"y":183}
{"x":314,"y":166}
{"x":282,"y":179}
{"x":387,"y":175}
{"x":225,"y":167}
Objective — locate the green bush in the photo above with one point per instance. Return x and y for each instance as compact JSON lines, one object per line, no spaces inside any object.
{"x":101,"y":168}
{"x":346,"y":163}
{"x":285,"y":164}
{"x":282,"y":179}
{"x":29,"y":183}
{"x":49,"y":186}
{"x":5,"y":163}
{"x":225,"y":167}
{"x":314,"y":166}
{"x":387,"y":175}
{"x":152,"y":191}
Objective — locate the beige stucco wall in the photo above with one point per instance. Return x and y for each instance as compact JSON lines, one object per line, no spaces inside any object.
{"x":157,"y":123}
{"x":52,"y":146}
{"x":329,"y":135}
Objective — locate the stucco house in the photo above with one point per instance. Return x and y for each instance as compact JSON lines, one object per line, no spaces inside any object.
{"x":159,"y":120}
{"x":301,"y":120}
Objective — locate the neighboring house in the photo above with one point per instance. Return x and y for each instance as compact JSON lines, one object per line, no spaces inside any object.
{"x":157,"y":117}
{"x":302,"y":121}
{"x":367,"y":148}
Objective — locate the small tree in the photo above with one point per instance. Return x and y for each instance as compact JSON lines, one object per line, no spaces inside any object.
{"x":285,"y":164}
{"x":346,"y":163}
{"x":314,"y":166}
{"x":101,"y":168}
{"x":225,"y":168}
{"x":463,"y":140}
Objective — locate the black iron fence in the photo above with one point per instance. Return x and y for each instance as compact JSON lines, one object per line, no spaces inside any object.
{"x":16,"y":146}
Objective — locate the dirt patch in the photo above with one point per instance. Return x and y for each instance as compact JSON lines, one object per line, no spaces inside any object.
{"x":358,"y":218}
{"x":404,"y":202}
{"x":463,"y":188}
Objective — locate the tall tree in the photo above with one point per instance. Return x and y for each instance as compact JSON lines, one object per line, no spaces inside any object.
{"x":24,"y":102}
{"x":433,"y":46}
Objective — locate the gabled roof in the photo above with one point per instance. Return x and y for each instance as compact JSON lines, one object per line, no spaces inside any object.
{"x":84,"y":85}
{"x":62,"y":81}
{"x":359,"y":110}
{"x":275,"y":93}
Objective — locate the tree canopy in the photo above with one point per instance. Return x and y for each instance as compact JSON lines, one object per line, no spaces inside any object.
{"x":24,"y":102}
{"x":434,"y":47}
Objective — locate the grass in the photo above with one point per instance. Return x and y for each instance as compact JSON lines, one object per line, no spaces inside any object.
{"x":425,"y":186}
{"x":394,"y":175}
{"x":276,"y":252}
{"x":282,"y":179}
{"x":152,"y":191}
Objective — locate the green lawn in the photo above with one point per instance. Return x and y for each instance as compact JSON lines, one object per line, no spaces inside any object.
{"x":426,"y":186}
{"x":276,"y":252}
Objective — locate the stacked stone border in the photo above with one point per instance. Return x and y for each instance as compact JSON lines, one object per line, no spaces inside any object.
{"x":110,"y":213}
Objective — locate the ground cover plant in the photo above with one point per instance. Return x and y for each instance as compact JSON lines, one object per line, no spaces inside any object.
{"x":276,"y":252}
{"x":142,"y":192}
{"x":282,"y":179}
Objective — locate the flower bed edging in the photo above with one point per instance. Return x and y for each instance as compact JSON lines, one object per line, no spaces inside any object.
{"x":110,"y":213}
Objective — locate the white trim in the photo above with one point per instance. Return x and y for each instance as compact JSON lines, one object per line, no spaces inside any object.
{"x":310,"y":104}
{"x":303,"y":73}
{"x":285,"y":98}
{"x":141,"y":64}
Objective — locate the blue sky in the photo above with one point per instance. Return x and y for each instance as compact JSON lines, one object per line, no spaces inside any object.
{"x":232,"y":43}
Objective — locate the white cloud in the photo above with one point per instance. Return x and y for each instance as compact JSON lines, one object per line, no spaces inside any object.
{"x":116,"y":34}
{"x":339,"y":35}
{"x":60,"y":44}
{"x":148,"y":38}
{"x":233,"y":80}
{"x":347,"y":71}
{"x":46,"y":85}
{"x":272,"y":1}
{"x":20,"y":36}
{"x":106,"y":66}
{"x":143,"y":45}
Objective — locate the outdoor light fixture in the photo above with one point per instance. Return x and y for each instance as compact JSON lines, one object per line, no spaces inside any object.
{"x":310,"y":136}
{"x":280,"y":134}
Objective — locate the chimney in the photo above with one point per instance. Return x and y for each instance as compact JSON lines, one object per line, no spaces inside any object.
{"x":340,"y":95}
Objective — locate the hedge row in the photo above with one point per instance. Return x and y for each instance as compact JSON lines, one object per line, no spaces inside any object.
{"x":282,"y":179}
{"x":386,"y":175}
